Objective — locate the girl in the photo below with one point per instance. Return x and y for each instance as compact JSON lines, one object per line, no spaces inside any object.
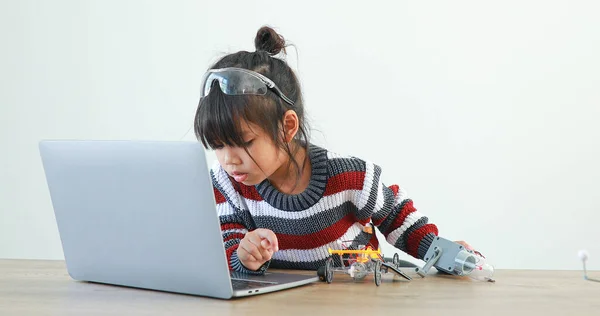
{"x":283,"y":201}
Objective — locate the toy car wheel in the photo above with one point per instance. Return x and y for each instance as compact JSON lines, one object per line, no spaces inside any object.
{"x":378,"y":273}
{"x":396,"y":260}
{"x":321,"y":273}
{"x":329,"y":270}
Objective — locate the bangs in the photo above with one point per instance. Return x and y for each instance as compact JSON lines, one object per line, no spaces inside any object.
{"x":219,"y":117}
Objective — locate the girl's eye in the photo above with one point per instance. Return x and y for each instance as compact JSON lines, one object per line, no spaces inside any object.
{"x":218,"y":147}
{"x":248,"y":143}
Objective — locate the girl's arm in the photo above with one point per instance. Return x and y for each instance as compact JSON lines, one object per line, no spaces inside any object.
{"x":233,"y":229}
{"x":392,"y":211}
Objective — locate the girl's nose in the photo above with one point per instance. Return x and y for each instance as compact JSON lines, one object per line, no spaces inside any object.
{"x":231,"y":158}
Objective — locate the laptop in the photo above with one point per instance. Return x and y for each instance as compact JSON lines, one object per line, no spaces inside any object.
{"x":142,"y":214}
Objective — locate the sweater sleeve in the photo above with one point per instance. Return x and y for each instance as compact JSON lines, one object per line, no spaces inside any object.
{"x":233,"y":230}
{"x":393,"y":213}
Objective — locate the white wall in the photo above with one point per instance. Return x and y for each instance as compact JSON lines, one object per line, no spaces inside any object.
{"x":486,"y":112}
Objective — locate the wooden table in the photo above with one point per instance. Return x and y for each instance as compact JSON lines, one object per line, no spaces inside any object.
{"x":31,"y":287}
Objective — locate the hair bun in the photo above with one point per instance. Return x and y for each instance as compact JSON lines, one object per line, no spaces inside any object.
{"x":269,"y":41}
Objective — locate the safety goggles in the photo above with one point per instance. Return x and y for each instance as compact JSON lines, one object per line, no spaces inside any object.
{"x":239,"y":81}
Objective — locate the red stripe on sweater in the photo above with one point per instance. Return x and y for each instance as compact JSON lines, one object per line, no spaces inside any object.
{"x":229,"y":252}
{"x":351,"y":180}
{"x":412,"y":244}
{"x":395,"y":188}
{"x":219,"y":198}
{"x":407,"y":209}
{"x":229,"y":226}
{"x":316,"y":239}
{"x":248,"y":192}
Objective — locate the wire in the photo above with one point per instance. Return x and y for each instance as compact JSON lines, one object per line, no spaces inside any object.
{"x":585,"y":276}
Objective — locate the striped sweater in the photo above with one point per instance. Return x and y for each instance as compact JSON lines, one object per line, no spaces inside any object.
{"x":344,"y":195}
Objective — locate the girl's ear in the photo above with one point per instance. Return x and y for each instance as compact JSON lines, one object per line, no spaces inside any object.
{"x":290,"y":125}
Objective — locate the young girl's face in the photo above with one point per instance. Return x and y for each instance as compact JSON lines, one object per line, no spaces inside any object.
{"x":240,"y":166}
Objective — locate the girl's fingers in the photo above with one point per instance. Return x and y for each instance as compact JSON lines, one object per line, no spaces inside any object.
{"x":256,"y":241}
{"x":269,"y":236}
{"x":251,"y":249}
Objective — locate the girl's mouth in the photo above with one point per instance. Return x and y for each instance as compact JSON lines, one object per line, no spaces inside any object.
{"x":240,"y":177}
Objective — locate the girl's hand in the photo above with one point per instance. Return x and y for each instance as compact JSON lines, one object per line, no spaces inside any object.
{"x":257,"y":247}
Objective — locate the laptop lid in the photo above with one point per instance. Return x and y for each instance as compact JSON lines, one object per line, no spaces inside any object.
{"x":137,"y":213}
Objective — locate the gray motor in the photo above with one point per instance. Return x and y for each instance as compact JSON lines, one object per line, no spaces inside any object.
{"x":450,"y":257}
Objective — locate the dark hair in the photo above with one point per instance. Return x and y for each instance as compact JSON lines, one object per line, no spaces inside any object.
{"x":218,"y":116}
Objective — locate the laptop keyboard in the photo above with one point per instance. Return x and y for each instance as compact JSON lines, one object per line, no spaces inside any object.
{"x":248,"y":284}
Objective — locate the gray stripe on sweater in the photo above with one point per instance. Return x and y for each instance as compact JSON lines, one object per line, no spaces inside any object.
{"x":337,"y":166}
{"x":228,"y":244}
{"x":311,"y":265}
{"x":237,"y":219}
{"x":307,"y":225}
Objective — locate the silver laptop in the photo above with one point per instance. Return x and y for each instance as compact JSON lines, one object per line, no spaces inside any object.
{"x":142,"y":214}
